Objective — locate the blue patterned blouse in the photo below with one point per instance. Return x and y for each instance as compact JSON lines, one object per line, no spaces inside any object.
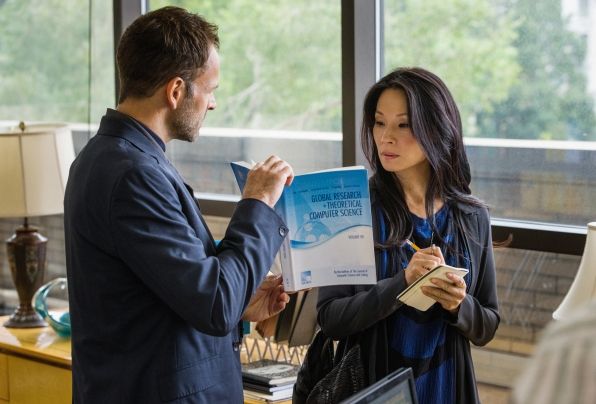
{"x":423,"y":340}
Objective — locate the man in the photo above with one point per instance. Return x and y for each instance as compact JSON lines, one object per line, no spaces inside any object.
{"x":155,"y":305}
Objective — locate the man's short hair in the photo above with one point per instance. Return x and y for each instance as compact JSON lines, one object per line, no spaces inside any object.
{"x":160,"y":45}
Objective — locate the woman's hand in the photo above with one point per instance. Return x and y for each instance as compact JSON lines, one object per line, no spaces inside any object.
{"x":423,"y":261}
{"x":448,"y":294}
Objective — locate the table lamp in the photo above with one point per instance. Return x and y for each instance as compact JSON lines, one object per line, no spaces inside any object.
{"x":583,"y":288}
{"x":34,"y":163}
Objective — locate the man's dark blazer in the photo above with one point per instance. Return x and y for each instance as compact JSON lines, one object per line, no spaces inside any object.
{"x":154,"y":304}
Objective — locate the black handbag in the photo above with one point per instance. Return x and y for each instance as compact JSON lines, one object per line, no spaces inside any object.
{"x":329,"y":375}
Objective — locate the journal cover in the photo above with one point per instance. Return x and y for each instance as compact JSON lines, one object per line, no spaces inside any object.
{"x":330,"y":240}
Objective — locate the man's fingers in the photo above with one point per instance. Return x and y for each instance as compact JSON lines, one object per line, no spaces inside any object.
{"x":270,"y":161}
{"x":267,"y":179}
{"x":289,"y":174}
{"x":283,"y":296}
{"x":271,"y":281}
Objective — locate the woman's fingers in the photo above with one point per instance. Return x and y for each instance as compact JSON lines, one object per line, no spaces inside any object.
{"x":449,"y":294}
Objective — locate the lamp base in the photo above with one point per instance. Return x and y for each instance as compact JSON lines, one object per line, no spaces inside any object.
{"x":26,"y":253}
{"x":25,"y":317}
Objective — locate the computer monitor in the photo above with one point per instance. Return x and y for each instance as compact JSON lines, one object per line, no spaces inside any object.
{"x":396,"y":388}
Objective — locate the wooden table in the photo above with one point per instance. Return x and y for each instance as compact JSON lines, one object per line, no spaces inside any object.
{"x":34,"y":366}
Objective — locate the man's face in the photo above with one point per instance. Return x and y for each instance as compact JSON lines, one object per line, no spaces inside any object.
{"x":186,"y":120}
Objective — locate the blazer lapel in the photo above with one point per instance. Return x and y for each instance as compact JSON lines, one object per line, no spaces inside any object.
{"x":192,"y":195}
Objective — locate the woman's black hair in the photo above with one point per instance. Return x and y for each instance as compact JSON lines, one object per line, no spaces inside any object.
{"x":436,"y":125}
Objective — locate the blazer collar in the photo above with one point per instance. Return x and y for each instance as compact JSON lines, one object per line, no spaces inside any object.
{"x":117,"y":124}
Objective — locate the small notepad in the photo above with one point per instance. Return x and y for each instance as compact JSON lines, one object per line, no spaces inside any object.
{"x":413,"y":296}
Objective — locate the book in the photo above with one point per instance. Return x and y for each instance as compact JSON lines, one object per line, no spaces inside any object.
{"x":330,"y":238}
{"x":304,"y":325}
{"x":288,"y":316}
{"x":268,"y":397}
{"x":413,"y":296}
{"x":297,"y":323}
{"x":266,"y":388}
{"x":269,"y":372}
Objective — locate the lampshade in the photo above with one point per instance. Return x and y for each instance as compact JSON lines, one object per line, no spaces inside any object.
{"x":583,"y":288}
{"x":34,"y":165}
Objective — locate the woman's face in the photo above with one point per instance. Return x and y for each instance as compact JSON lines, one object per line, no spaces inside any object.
{"x":398,"y":150}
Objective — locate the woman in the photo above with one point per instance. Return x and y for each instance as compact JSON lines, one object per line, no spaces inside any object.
{"x":412,"y":138}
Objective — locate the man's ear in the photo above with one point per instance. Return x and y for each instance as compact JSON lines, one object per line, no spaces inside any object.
{"x":175,"y":89}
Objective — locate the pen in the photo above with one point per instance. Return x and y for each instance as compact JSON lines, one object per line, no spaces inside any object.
{"x":411,"y":244}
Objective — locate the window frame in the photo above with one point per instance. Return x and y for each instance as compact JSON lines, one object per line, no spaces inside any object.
{"x":362,"y":58}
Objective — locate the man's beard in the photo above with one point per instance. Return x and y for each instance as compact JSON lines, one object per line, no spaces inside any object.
{"x":183,"y":123}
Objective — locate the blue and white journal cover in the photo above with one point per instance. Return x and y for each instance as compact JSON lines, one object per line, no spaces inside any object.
{"x":330,"y":240}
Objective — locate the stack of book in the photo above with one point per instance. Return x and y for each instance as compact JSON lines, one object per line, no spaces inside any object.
{"x":268,"y":380}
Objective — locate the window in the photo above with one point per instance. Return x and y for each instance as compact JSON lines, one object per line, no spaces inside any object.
{"x":279,"y":93}
{"x":57,"y":64}
{"x":520,"y":76}
{"x":57,"y":61}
